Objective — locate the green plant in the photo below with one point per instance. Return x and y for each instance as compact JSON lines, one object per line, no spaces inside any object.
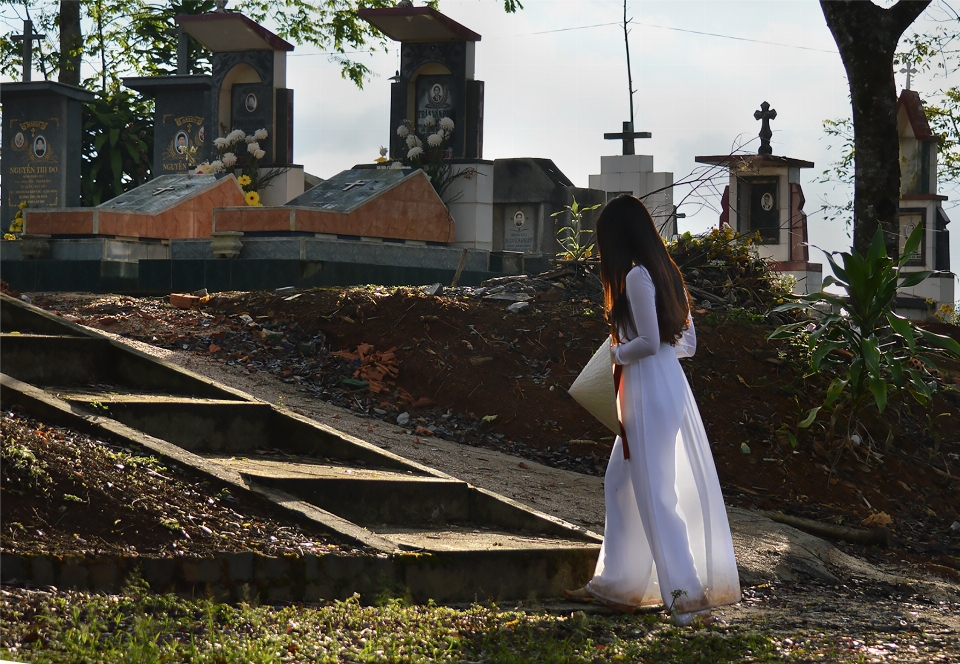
{"x":861,"y":343}
{"x":117,"y":145}
{"x":571,"y":238}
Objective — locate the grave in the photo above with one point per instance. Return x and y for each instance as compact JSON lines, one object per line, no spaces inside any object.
{"x":436,"y":79}
{"x":248,"y":92}
{"x":633,"y":174}
{"x":41,"y":139}
{"x":375,"y":205}
{"x":526,"y":192}
{"x":764,"y":196}
{"x":921,"y":205}
{"x":170,"y":206}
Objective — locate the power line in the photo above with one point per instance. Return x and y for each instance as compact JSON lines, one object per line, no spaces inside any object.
{"x":667,"y":27}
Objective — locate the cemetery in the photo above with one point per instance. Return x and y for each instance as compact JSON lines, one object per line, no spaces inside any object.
{"x":340,"y":406}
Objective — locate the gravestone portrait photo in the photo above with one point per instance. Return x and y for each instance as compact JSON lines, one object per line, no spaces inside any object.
{"x":39,"y":147}
{"x":181,"y":144}
{"x":250,"y":102}
{"x":437,"y":94}
{"x":18,"y":139}
{"x":200,"y":136}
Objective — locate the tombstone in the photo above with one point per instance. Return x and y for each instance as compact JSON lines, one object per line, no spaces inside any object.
{"x":360,"y":203}
{"x":41,"y":139}
{"x":167,"y":207}
{"x":921,"y":205}
{"x":436,"y":79}
{"x":526,"y":192}
{"x":436,"y":76}
{"x":248,"y":91}
{"x":765,"y":197}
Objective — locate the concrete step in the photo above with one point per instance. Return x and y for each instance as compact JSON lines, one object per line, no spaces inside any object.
{"x":469,"y":537}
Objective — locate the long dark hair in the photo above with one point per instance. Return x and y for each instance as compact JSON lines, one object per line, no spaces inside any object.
{"x":627,"y":236}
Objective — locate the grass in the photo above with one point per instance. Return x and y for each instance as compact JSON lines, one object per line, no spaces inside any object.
{"x":139,"y":627}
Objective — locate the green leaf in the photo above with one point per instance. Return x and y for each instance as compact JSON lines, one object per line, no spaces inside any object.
{"x":841,"y":274}
{"x":896,"y":372}
{"x":878,"y":387}
{"x":946,"y":343}
{"x":877,"y":248}
{"x":808,"y":420}
{"x":871,"y":355}
{"x":918,"y":384}
{"x":910,"y":246}
{"x":835,"y":390}
{"x":914,"y":278}
{"x":902,"y":327}
{"x":823,"y":349}
{"x":744,"y":448}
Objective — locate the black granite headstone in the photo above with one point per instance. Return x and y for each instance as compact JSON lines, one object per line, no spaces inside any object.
{"x":248,"y":80}
{"x":42,"y":139}
{"x":435,"y":77}
{"x":758,"y":203}
{"x":182,"y":120}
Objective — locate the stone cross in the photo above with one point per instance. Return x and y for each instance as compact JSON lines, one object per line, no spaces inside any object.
{"x":909,"y":69}
{"x":627,"y":136}
{"x":766,"y":114}
{"x":351,"y":185}
{"x":27,"y":38}
{"x":160,"y":191}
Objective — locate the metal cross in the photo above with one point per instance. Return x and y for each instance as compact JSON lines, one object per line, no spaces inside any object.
{"x":627,"y":136}
{"x":160,"y":191}
{"x":766,"y":114}
{"x":909,"y":69}
{"x":27,"y":38}
{"x":351,"y":185}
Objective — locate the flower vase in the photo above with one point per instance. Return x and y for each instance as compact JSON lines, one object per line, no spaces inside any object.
{"x":226,"y":244}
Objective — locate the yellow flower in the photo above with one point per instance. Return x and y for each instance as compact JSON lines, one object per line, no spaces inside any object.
{"x":22,"y":204}
{"x":244,"y":180}
{"x":9,"y":236}
{"x":252,"y":197}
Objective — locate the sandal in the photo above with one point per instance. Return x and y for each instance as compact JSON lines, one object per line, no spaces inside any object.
{"x":579,"y":595}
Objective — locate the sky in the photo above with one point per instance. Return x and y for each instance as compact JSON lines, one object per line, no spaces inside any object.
{"x":556,"y":79}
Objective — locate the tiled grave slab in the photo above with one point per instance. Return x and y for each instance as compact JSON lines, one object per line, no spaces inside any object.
{"x":375,"y":203}
{"x":170,"y":206}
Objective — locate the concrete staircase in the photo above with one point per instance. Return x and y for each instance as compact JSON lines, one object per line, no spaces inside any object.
{"x":442,"y":538}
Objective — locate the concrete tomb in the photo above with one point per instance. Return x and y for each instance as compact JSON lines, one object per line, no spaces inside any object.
{"x":41,"y":139}
{"x":633,"y":174}
{"x":361,"y":203}
{"x":167,"y":207}
{"x":921,"y":205}
{"x":247,"y":91}
{"x":436,"y":76}
{"x":526,"y":192}
{"x":764,"y":196}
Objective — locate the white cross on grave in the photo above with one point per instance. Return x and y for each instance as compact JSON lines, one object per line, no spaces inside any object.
{"x":909,"y":69}
{"x":160,"y":191}
{"x":351,"y":185}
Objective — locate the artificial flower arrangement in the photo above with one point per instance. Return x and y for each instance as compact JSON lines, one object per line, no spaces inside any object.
{"x":432,"y":160}
{"x":238,"y":150}
{"x":16,"y":226}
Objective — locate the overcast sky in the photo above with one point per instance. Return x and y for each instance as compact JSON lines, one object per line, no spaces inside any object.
{"x":554,"y":85}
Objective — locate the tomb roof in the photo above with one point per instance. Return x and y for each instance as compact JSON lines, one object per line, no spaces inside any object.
{"x":417,"y":24}
{"x":151,"y":85}
{"x":748,"y":160}
{"x":160,"y":193}
{"x":348,"y":190}
{"x":910,"y":102}
{"x":36,"y":88}
{"x":229,"y":31}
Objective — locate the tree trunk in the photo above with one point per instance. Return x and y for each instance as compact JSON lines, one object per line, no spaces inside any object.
{"x":71,"y":42}
{"x":867,"y":36}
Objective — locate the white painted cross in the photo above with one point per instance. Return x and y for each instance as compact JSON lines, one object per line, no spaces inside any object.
{"x":351,"y":185}
{"x":909,"y":69}
{"x":160,"y":191}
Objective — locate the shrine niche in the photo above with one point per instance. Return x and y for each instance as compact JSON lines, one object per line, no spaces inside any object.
{"x":765,"y":198}
{"x":436,"y":77}
{"x":922,"y":206}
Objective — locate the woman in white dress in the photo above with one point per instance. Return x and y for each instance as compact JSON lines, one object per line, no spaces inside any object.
{"x":666,"y":538}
